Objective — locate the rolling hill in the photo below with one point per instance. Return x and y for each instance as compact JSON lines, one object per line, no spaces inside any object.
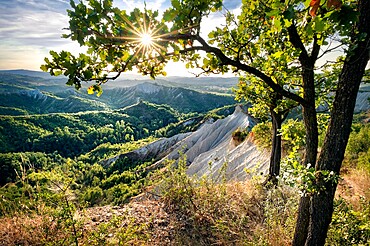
{"x":28,"y":92}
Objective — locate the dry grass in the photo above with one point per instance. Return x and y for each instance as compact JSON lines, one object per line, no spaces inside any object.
{"x":240,"y":213}
{"x":354,"y":185}
{"x":29,"y":230}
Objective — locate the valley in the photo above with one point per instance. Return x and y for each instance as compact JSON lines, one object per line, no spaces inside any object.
{"x":92,"y":167}
{"x":48,"y":128}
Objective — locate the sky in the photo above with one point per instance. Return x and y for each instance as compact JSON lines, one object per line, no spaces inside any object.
{"x":29,"y":29}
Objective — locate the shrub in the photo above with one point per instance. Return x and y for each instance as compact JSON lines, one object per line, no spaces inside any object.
{"x":364,"y":161}
{"x":239,"y":135}
{"x":293,"y":135}
{"x":93,"y":195}
{"x":262,"y":134}
{"x":348,"y":226}
{"x":359,"y":141}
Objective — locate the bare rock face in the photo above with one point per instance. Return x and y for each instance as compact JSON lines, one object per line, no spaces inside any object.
{"x":209,"y":151}
{"x":362,"y":101}
{"x":231,"y":163}
{"x":156,"y":150}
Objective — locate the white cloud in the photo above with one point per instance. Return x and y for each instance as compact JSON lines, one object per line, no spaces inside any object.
{"x":29,"y":29}
{"x":129,"y":5}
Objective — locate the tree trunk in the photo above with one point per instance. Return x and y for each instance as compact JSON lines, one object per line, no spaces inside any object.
{"x":312,"y":134}
{"x":336,"y":138}
{"x":275,"y":158}
{"x":302,"y":223}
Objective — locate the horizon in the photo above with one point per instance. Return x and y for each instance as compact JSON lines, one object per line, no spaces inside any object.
{"x":136,"y":76}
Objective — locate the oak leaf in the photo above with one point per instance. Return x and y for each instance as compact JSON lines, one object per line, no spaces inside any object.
{"x":314,"y":4}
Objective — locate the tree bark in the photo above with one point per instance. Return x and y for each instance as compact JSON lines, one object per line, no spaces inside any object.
{"x":310,"y":122}
{"x":275,"y":157}
{"x":336,"y":138}
{"x":302,"y":223}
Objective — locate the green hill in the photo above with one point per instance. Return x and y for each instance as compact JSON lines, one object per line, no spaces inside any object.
{"x":28,"y":92}
{"x":73,"y":134}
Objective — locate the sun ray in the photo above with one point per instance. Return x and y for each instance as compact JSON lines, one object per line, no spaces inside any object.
{"x":146,"y":39}
{"x":145,"y":36}
{"x":155,"y":45}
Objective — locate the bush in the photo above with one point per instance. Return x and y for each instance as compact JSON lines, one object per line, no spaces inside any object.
{"x":262,"y":134}
{"x":239,"y":135}
{"x":292,"y":132}
{"x":364,"y":161}
{"x":293,"y":135}
{"x":348,"y":226}
{"x":359,"y":141}
{"x":93,"y":195}
{"x":358,"y":148}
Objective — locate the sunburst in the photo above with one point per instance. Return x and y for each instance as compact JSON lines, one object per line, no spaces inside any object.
{"x":146,"y":39}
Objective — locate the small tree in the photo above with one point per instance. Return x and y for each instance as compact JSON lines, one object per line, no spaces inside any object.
{"x":266,"y":103}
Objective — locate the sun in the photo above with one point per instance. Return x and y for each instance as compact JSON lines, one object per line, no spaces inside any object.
{"x":146,"y":39}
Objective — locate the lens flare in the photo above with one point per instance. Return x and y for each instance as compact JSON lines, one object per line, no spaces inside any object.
{"x":146,"y":39}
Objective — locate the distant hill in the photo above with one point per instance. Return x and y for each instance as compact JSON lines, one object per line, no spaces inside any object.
{"x":209,"y":83}
{"x":31,"y":92}
{"x":181,"y":99}
{"x":27,"y":73}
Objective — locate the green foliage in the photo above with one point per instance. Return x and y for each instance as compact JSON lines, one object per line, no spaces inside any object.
{"x":358,"y":148}
{"x":359,"y":140}
{"x":88,"y":26}
{"x":292,"y":132}
{"x":12,"y":111}
{"x":113,"y":233}
{"x":93,"y":195}
{"x":14,"y":165}
{"x":349,"y":226}
{"x":194,"y":122}
{"x":293,"y":135}
{"x":108,"y":150}
{"x":305,"y":178}
{"x":73,"y":134}
{"x":178,"y":186}
{"x":364,"y":161}
{"x":33,"y":178}
{"x":239,"y":135}
{"x":262,"y":134}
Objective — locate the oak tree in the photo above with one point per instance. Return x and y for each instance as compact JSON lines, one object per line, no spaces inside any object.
{"x":267,"y":36}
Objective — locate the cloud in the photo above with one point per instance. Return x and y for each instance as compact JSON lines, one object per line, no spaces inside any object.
{"x":32,"y":23}
{"x":129,"y":5}
{"x":30,"y":28}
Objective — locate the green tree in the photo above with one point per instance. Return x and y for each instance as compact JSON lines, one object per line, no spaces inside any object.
{"x":265,"y":103}
{"x":274,"y":29}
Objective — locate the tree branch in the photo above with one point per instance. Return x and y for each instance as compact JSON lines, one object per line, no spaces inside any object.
{"x":240,"y":66}
{"x":296,"y":41}
{"x":237,"y":64}
{"x":315,"y":49}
